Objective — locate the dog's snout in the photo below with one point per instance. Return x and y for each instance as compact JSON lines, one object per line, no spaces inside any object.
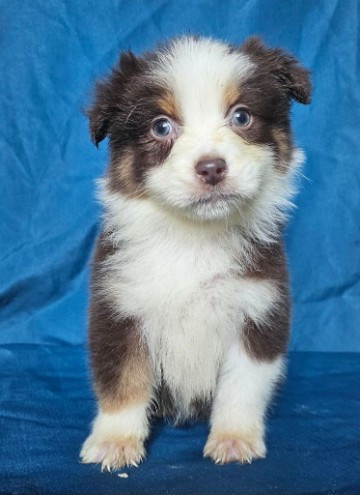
{"x":212,"y":170}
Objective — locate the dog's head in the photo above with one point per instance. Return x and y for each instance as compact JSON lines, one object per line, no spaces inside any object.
{"x":200,"y":127}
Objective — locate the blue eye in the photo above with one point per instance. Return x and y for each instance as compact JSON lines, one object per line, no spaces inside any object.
{"x":241,"y":117}
{"x":162,"y":128}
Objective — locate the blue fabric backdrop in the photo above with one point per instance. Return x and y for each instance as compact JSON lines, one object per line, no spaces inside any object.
{"x":51,"y":52}
{"x":46,"y":407}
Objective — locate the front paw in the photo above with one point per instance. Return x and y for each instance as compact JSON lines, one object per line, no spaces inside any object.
{"x":113,"y":453}
{"x":234,"y":447}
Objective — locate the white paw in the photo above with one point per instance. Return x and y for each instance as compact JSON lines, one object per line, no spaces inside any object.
{"x":114,"y":453}
{"x":232,"y":447}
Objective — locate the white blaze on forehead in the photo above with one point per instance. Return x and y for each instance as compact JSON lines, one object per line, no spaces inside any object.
{"x":199,"y":72}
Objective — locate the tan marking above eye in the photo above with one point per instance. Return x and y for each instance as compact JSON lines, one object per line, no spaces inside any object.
{"x":168,"y":105}
{"x":231,"y":96}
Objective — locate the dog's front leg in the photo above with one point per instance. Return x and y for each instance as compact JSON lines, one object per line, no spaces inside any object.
{"x":123,"y":385}
{"x":237,"y":420}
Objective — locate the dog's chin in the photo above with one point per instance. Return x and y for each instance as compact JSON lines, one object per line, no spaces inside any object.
{"x":219,"y":209}
{"x":210,"y":207}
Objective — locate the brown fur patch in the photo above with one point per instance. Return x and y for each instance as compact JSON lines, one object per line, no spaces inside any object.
{"x":281,"y":69}
{"x":121,"y":369}
{"x":283,"y":148}
{"x":121,"y":175}
{"x":165,"y":405}
{"x":231,"y":96}
{"x":268,"y":339}
{"x":124,"y":107}
{"x":168,"y":105}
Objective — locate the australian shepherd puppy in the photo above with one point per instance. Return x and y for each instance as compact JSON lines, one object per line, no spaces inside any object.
{"x":189,"y":310}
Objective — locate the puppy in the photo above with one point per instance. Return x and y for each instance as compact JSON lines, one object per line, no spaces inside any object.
{"x":189,"y":309}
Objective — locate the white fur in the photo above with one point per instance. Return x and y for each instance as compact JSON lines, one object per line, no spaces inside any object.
{"x":243,"y":391}
{"x":199,"y":72}
{"x":178,"y":278}
{"x":130,"y":421}
{"x":244,"y":388}
{"x":117,"y":438}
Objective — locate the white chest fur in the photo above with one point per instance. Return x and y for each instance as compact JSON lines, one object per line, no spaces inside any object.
{"x":185,"y":286}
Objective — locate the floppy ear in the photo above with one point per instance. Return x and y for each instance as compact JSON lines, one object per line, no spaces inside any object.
{"x":109,"y":95}
{"x":100,"y":116}
{"x":292,"y":77}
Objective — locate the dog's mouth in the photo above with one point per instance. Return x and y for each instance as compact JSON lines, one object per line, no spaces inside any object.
{"x":215,"y":204}
{"x":215,"y":197}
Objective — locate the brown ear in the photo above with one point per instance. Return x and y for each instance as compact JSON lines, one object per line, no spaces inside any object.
{"x":294,"y":78}
{"x":109,"y":95}
{"x":100,"y":117}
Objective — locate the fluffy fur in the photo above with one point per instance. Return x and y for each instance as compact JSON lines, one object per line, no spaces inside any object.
{"x":189,"y":308}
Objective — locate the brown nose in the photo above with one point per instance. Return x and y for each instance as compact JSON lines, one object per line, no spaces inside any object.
{"x":212,"y":170}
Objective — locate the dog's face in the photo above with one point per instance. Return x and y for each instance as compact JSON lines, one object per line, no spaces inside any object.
{"x":199,"y":127}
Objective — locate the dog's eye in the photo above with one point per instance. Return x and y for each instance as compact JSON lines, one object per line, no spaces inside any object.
{"x":241,"y":117}
{"x":162,"y":128}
